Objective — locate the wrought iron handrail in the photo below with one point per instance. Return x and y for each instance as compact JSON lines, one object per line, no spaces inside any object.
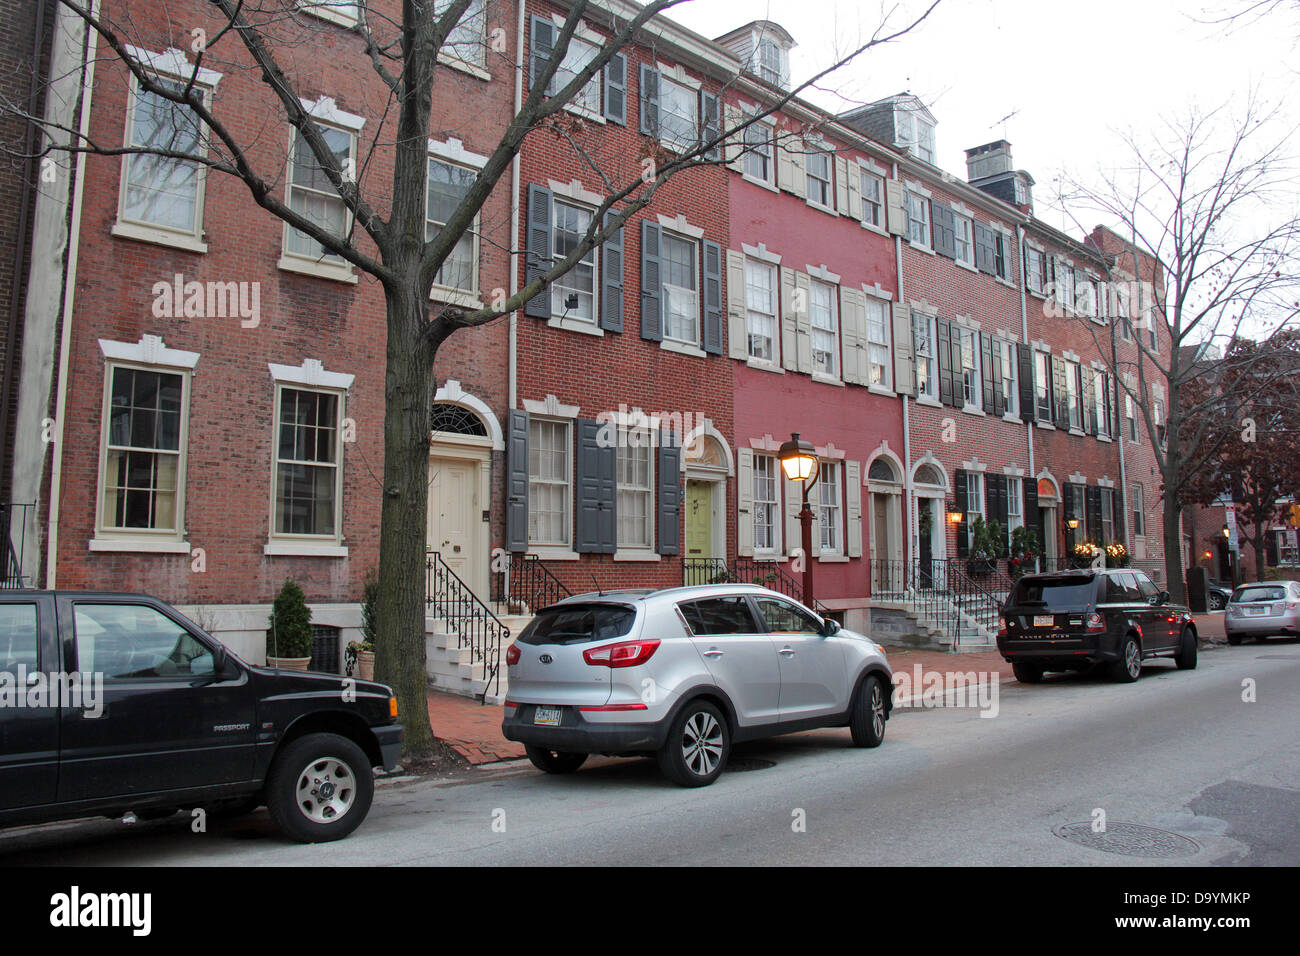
{"x":937,"y":590}
{"x":696,"y":571}
{"x":772,"y":575}
{"x":472,"y":621}
{"x":11,"y":574}
{"x":527,"y":581}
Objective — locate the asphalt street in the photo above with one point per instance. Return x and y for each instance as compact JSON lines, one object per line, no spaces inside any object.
{"x":1177,"y":769}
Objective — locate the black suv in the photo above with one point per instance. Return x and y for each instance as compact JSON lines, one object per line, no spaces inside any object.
{"x":112,"y":703}
{"x":1073,"y":620}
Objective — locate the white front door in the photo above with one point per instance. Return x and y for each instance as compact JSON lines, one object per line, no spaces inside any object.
{"x":456,"y":527}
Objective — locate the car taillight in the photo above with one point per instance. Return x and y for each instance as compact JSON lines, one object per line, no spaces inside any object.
{"x":512,"y":654}
{"x":1002,"y":627}
{"x":1095,"y":622}
{"x":626,"y":654}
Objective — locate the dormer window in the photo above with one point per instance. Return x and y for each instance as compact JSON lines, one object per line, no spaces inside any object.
{"x":914,"y":133}
{"x":771,"y":66}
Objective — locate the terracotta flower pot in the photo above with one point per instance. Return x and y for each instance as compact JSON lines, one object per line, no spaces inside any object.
{"x":288,"y":663}
{"x":366,"y":665}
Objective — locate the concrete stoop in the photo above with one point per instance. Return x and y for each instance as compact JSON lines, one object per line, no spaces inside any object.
{"x":451,"y":668}
{"x":897,"y":625}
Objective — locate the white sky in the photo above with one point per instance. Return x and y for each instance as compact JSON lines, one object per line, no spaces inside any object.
{"x":1073,"y":73}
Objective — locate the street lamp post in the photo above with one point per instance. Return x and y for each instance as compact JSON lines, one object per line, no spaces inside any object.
{"x":799,"y":462}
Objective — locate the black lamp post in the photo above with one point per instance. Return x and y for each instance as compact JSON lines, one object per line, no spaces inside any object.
{"x":799,"y":462}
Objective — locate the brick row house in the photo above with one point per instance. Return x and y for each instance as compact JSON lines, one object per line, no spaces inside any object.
{"x":824,"y":278}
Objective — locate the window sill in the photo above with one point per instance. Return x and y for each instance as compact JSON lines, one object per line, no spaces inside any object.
{"x":583,"y":112}
{"x":1011,"y":417}
{"x":1048,"y":425}
{"x":968,"y":266}
{"x":460,"y":65}
{"x":827,"y":379}
{"x":318,"y":269}
{"x":554,"y":553}
{"x":327,"y":13}
{"x":819,"y":207}
{"x":761,"y":183}
{"x":884,"y":390}
{"x":637,"y":554}
{"x":928,"y":402}
{"x":878,"y":230}
{"x":575,"y":325}
{"x":920,"y":248}
{"x":159,"y":237}
{"x":1037,"y":295}
{"x":1105,"y":438}
{"x":683,"y":348}
{"x":140,"y":545}
{"x":832,"y":559}
{"x":303,"y":549}
{"x":1006,"y":282}
{"x":765,"y":366}
{"x":451,"y":296}
{"x":973,"y":410}
{"x":1076,"y":431}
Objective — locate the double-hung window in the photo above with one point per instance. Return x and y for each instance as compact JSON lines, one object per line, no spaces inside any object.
{"x":1042,"y":386}
{"x":1107,"y":516}
{"x":825,"y":329}
{"x":1002,"y":256}
{"x":467,"y":40}
{"x":573,"y":295}
{"x":681,"y":289}
{"x":918,"y":219}
{"x":1064,"y":290}
{"x":1139,"y":515}
{"x":1130,"y":415}
{"x":1101,"y":399}
{"x":830,"y":508}
{"x":1010,"y":376}
{"x":679,"y":115}
{"x":820,"y":187}
{"x":970,"y":368}
{"x":974,"y":503}
{"x":143,"y":464}
{"x":1015,"y":500}
{"x":758,"y":151}
{"x":313,"y":196}
{"x":767,"y":504}
{"x":448,"y":184}
{"x":1035,"y":270}
{"x":760,"y":305}
{"x":308,"y":453}
{"x":873,"y":199}
{"x":963,"y":239}
{"x":549,"y":467}
{"x":576,"y":58}
{"x":877,"y":342}
{"x":635,"y":496}
{"x":1073,"y":394}
{"x":1078,"y":507}
{"x":927,"y":381}
{"x":163,"y":193}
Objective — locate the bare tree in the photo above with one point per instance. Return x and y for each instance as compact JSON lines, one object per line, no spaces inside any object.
{"x":386,"y":236}
{"x":1203,"y":232}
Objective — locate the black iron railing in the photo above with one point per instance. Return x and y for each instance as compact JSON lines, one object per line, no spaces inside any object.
{"x":526,"y":582}
{"x":771,"y":575}
{"x":940,"y":592}
{"x":696,"y":571}
{"x":472,"y":621}
{"x":16,"y":526}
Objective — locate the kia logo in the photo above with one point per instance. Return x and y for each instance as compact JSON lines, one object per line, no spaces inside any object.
{"x":545,"y":658}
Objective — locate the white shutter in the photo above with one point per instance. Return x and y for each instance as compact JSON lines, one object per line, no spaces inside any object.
{"x":853,"y":507}
{"x":737,"y":331}
{"x":855,"y":191}
{"x":803,"y":321}
{"x":842,"y":204}
{"x":904,"y":359}
{"x":733,"y":148}
{"x":793,"y":505}
{"x":789,"y":324}
{"x":853,"y":334}
{"x":895,"y":207}
{"x":745,"y":501}
{"x":790,"y":174}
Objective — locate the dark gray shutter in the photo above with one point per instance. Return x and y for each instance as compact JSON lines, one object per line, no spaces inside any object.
{"x":611,"y":275}
{"x":944,"y":355}
{"x":596,"y":475}
{"x":649,"y":100}
{"x":1025,"y":366}
{"x":652,"y":327}
{"x":1117,"y":508}
{"x":517,"y":480}
{"x":669,"y":502}
{"x":995,"y":503}
{"x":537,"y":258}
{"x":712,"y":298}
{"x":959,"y":485}
{"x":944,"y":229}
{"x":999,"y":400}
{"x":616,"y":89}
{"x":1033,"y":518}
{"x":541,"y":47}
{"x":1092,"y":504}
{"x":710,"y":124}
{"x":1067,"y":502}
{"x":986,"y":370}
{"x":1271,"y":556}
{"x":984,"y":248}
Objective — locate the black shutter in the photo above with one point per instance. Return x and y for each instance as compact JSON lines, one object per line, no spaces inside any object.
{"x":710,"y":124}
{"x":595,"y":525}
{"x":649,"y":100}
{"x":984,"y":248}
{"x":1092,"y":502}
{"x":541,"y":47}
{"x":986,"y":369}
{"x":999,"y":399}
{"x":517,"y":480}
{"x":959,"y":485}
{"x":1060,"y":401}
{"x":670,"y":496}
{"x":944,"y":229}
{"x":1067,"y":502}
{"x":651,"y":282}
{"x":1118,"y":507}
{"x":955,"y":368}
{"x":1033,"y":518}
{"x":944,"y":356}
{"x":537,"y":257}
{"x":1271,"y":555}
{"x":611,"y":274}
{"x":999,"y":507}
{"x":1025,"y":359}
{"x":616,"y":89}
{"x":712,"y":298}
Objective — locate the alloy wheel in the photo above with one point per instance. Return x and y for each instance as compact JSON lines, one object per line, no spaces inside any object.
{"x":702,"y":743}
{"x":326,"y":789}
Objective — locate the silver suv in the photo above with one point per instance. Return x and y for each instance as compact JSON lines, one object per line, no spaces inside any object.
{"x":683,"y":673}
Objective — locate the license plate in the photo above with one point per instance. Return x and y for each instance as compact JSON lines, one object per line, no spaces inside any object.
{"x":548,"y":716}
{"x":1257,"y":610}
{"x":1044,"y":620}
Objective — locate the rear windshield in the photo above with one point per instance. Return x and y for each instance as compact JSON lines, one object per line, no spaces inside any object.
{"x":1246,"y":595}
{"x":578,"y":624}
{"x":1066,"y":594}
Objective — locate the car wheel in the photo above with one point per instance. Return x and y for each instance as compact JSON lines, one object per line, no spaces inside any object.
{"x":554,"y":761}
{"x":319,"y":788}
{"x":697,"y":747}
{"x":1216,"y":602}
{"x":1129,"y":666}
{"x":867,"y":719}
{"x":1185,"y":658}
{"x":1234,"y":639}
{"x":1028,"y":673}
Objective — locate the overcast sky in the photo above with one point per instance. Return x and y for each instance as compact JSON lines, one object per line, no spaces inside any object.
{"x":1054,"y":78}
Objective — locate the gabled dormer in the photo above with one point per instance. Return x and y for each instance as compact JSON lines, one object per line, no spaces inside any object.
{"x":764,"y":49}
{"x":901,"y":121}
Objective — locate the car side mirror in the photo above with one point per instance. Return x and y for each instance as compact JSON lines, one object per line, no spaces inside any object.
{"x":1162,"y":597}
{"x":223,"y":668}
{"x":829,"y":627}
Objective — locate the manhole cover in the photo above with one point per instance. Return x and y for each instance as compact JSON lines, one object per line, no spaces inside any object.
{"x":739,"y":765}
{"x":1129,"y":839}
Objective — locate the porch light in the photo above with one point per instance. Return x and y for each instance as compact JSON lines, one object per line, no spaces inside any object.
{"x":798,"y":458}
{"x":954,"y":516}
{"x":1072,"y":523}
{"x":1225,"y":531}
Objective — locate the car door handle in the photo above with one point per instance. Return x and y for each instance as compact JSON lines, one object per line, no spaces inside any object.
{"x":786,"y":652}
{"x":713,"y":652}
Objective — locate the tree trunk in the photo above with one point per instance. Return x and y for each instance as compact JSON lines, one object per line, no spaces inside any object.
{"x":1260,"y":552}
{"x":1173,"y":550}
{"x":400,"y":649}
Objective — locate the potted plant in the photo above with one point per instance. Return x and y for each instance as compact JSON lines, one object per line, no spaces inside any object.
{"x":1085,"y":554}
{"x":289,"y":639}
{"x":1117,"y":555}
{"x":1024,"y":552}
{"x":364,"y":649}
{"x":985,"y":538}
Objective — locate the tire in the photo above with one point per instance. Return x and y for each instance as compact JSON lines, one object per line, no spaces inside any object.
{"x":1216,"y":602}
{"x":698,"y":745}
{"x":868,"y":716}
{"x":303,"y":813}
{"x":1234,"y":640}
{"x":554,"y":761}
{"x":1129,"y":666}
{"x":1185,"y":658}
{"x":1028,"y":673}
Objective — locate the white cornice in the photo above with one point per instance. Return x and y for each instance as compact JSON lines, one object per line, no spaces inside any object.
{"x":173,"y":62}
{"x":150,"y":350}
{"x":311,"y":373}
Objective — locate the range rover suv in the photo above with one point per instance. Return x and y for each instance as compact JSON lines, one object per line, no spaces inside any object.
{"x":683,"y":673}
{"x":1075,"y":620}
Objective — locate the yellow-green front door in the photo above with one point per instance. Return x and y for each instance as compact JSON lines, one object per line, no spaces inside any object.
{"x":699,"y":520}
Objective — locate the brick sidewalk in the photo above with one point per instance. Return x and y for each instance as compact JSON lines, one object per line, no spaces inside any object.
{"x":474,"y":729}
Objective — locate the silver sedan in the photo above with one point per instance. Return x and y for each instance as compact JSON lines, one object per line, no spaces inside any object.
{"x":1264,"y":609}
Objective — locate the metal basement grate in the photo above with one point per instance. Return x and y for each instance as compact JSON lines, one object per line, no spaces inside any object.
{"x":1129,"y":839}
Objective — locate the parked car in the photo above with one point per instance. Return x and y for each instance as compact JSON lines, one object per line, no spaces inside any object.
{"x":152,"y":715}
{"x":684,"y":673}
{"x":1217,"y":595}
{"x":1075,"y":620}
{"x":1263,"y":610}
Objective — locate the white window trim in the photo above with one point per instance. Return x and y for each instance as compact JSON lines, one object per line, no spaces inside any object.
{"x":972,"y":329}
{"x":563,"y":321}
{"x":464,"y":66}
{"x":326,"y":112}
{"x":837,"y":351}
{"x":871,"y":168}
{"x":969,"y":219}
{"x":837,"y":552}
{"x":776,"y":552}
{"x":816,"y":146}
{"x":685,"y":232}
{"x":587,"y":35}
{"x":770,"y":183}
{"x":677,"y":75}
{"x":650,"y":551}
{"x":326,"y":12}
{"x":309,"y":377}
{"x":885,"y":387}
{"x":444,"y":153}
{"x":772,"y":262}
{"x":931,"y":318}
{"x":551,"y":411}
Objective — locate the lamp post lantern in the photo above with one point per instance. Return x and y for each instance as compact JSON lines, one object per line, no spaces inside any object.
{"x":799,"y":462}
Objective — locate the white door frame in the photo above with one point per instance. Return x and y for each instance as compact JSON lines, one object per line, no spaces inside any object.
{"x":462,"y":448}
